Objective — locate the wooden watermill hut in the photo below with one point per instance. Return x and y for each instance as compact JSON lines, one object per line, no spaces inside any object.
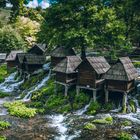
{"x":11,"y":58}
{"x":29,"y":63}
{"x":59,"y":54}
{"x":121,"y":77}
{"x":90,"y":73}
{"x":65,"y":71}
{"x":38,"y":49}
{"x":2,"y":57}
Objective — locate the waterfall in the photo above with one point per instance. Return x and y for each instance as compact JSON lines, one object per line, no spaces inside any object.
{"x":10,"y":83}
{"x":83,"y":110}
{"x":36,"y":87}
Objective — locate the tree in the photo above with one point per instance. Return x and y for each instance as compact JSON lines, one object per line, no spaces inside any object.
{"x":10,"y":39}
{"x":2,"y":3}
{"x":81,"y":24}
{"x":27,"y":29}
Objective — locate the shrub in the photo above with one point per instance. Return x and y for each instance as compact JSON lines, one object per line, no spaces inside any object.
{"x":2,"y":95}
{"x":136,"y":64}
{"x":124,"y":136}
{"x":108,"y":106}
{"x":90,"y":126}
{"x":19,"y":109}
{"x":107,"y":120}
{"x":93,"y":108}
{"x":4,"y":125}
{"x":3,"y":72}
{"x":2,"y":138}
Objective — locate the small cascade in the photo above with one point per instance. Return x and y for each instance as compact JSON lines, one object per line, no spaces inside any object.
{"x":36,"y":87}
{"x":62,"y":129}
{"x":83,"y":110}
{"x":10,"y":83}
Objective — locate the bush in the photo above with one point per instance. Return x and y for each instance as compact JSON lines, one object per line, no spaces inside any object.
{"x":79,"y":100}
{"x":2,"y":95}
{"x":107,"y":120}
{"x":124,"y":136}
{"x":3,"y":72}
{"x":136,"y":64}
{"x":108,"y":106}
{"x":90,"y":126}
{"x":54,"y":102}
{"x":10,"y":39}
{"x":93,"y":108}
{"x":19,"y":109}
{"x":4,"y":125}
{"x":2,"y":138}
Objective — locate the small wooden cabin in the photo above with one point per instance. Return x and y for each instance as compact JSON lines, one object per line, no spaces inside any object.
{"x":2,"y":57}
{"x":59,"y":54}
{"x":11,"y":58}
{"x":65,"y":71}
{"x":38,"y":49}
{"x":29,"y":62}
{"x":90,"y":73}
{"x":121,"y":77}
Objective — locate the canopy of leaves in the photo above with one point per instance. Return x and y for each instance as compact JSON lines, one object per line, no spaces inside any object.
{"x":10,"y":39}
{"x":82,"y":23}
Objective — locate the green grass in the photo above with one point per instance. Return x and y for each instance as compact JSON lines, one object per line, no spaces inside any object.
{"x":19,"y":109}
{"x":4,"y":125}
{"x":3,"y":72}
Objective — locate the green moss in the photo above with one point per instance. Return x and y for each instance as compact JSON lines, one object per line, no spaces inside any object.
{"x":4,"y":125}
{"x":2,"y":94}
{"x":108,"y":106}
{"x":19,"y":109}
{"x":132,"y":105}
{"x":32,"y":81}
{"x":136,"y":64}
{"x":93,"y":108}
{"x":107,"y":120}
{"x":90,"y":126}
{"x":124,"y":109}
{"x":3,"y":72}
{"x":126,"y":123}
{"x":78,"y":101}
{"x":2,"y":138}
{"x":124,"y":136}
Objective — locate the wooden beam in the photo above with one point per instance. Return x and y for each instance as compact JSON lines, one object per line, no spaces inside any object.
{"x":77,"y":90}
{"x":94,"y":95}
{"x":106,"y":95}
{"x":124,"y":102}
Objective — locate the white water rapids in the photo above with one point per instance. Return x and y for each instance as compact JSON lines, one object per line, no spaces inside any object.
{"x":36,"y":87}
{"x":10,"y":83}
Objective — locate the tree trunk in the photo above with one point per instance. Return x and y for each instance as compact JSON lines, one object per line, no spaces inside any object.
{"x":83,"y":52}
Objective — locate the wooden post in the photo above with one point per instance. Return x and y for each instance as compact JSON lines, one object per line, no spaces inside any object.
{"x":94,"y":95}
{"x":106,"y":95}
{"x":124,"y":102}
{"x":66,"y":90}
{"x":77,"y":90}
{"x":55,"y":88}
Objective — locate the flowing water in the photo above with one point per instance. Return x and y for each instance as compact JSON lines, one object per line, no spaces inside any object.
{"x":36,"y":87}
{"x":10,"y":83}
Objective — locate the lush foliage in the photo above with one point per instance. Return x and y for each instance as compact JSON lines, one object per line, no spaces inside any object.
{"x":27,"y":28}
{"x":124,"y":136}
{"x":3,"y":72}
{"x":107,"y":120}
{"x":4,"y":125}
{"x":93,"y":108}
{"x":90,"y":126}
{"x":10,"y":39}
{"x":19,"y":109}
{"x":2,"y":138}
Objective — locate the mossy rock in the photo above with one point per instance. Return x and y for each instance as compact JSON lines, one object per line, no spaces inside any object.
{"x":126,"y":123}
{"x":124,"y":136}
{"x":107,"y":120}
{"x":90,"y":126}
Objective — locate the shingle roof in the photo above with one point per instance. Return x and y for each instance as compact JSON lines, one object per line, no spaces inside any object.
{"x":99,"y":64}
{"x":123,"y":70}
{"x":35,"y":59}
{"x":62,"y":52}
{"x":68,"y":65}
{"x":3,"y":56}
{"x":12,"y":55}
